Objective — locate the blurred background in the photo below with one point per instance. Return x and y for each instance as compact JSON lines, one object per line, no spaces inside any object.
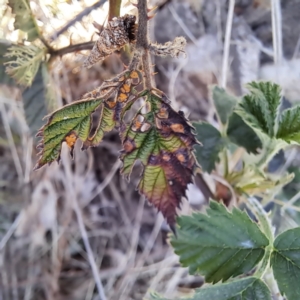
{"x":46,"y":216}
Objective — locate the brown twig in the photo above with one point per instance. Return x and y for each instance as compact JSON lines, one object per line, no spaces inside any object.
{"x":76,"y":19}
{"x":114,"y":9}
{"x":73,"y":48}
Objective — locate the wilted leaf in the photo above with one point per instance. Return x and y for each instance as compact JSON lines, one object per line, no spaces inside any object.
{"x":289,"y":125}
{"x":285,"y":262}
{"x":212,"y":142}
{"x":224,"y":103}
{"x":162,"y":140}
{"x":24,"y":19}
{"x":36,"y":99}
{"x":23,"y":62}
{"x":219,"y":244}
{"x":259,"y":109}
{"x":67,"y":124}
{"x":243,"y":135}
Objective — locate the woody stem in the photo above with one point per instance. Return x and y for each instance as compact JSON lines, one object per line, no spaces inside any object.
{"x":142,"y":43}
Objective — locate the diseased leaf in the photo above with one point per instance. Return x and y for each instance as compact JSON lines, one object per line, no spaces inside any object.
{"x":219,"y":244}
{"x":74,"y":121}
{"x":213,"y":143}
{"x":259,"y":109}
{"x":224,"y":103}
{"x":243,"y":135}
{"x":162,"y":140}
{"x":23,"y":62}
{"x":289,"y":125}
{"x":24,"y":19}
{"x":67,"y":124}
{"x":285,"y":261}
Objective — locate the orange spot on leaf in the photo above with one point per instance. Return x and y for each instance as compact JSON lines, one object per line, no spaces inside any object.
{"x":177,"y":128}
{"x":134,"y":75}
{"x":71,"y":140}
{"x":122,"y":97}
{"x":128,"y":146}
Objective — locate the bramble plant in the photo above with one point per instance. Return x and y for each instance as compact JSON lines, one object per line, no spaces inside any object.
{"x":219,"y":244}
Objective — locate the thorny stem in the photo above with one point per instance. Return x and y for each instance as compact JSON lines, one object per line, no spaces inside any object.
{"x":142,"y":43}
{"x":114,"y":9}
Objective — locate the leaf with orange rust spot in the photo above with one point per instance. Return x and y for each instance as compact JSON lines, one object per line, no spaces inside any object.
{"x":67,"y":124}
{"x":163,"y":141}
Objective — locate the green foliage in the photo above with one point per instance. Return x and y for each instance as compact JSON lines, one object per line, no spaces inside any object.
{"x":219,"y":245}
{"x":259,"y":109}
{"x":23,"y":63}
{"x":243,"y":135}
{"x":207,"y":154}
{"x":224,"y":103}
{"x":250,"y":288}
{"x":289,"y":125}
{"x":24,"y":19}
{"x":285,"y":262}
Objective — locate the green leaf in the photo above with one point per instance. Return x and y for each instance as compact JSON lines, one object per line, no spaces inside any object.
{"x":24,"y":19}
{"x":212,"y":142}
{"x":67,"y":124}
{"x":243,"y":135}
{"x":289,"y":125}
{"x":259,"y":109}
{"x":250,"y":288}
{"x":23,"y":62}
{"x":219,"y":245}
{"x":36,"y":99}
{"x":285,"y":262}
{"x":224,"y":103}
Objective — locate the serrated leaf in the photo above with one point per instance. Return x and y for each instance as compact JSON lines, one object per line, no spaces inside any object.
{"x":24,"y":19}
{"x":67,"y":124}
{"x":36,"y":99}
{"x":289,"y":125}
{"x":243,"y":135}
{"x":212,"y":142}
{"x":162,"y":140}
{"x":23,"y":62}
{"x":259,"y":109}
{"x":224,"y":103}
{"x":219,"y":245}
{"x":250,"y":288}
{"x":285,"y":261}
